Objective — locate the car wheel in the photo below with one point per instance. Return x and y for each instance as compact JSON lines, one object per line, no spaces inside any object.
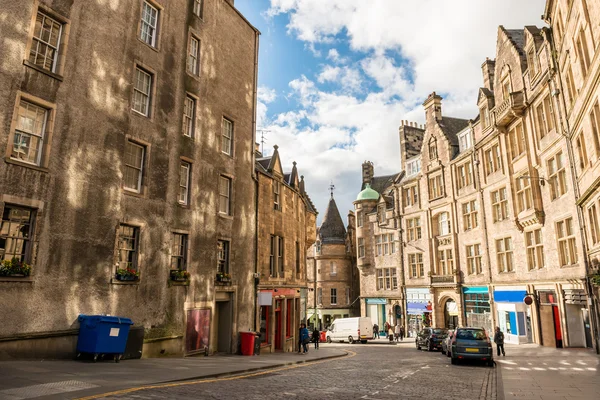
{"x":328,"y":340}
{"x":429,"y":346}
{"x":417,"y":344}
{"x":453,"y":360}
{"x":363,"y":341}
{"x":350,"y":339}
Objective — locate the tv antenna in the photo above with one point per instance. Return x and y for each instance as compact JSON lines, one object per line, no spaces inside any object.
{"x":263,"y":140}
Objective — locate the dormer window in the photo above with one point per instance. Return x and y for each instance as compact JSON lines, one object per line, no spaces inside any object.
{"x":465,"y":139}
{"x":433,"y":153}
{"x":532,"y":62}
{"x":276,"y":195}
{"x":485,"y":116}
{"x":381,"y":214}
{"x":413,"y":167}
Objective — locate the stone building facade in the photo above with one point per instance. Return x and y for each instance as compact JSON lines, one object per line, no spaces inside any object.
{"x":576,"y":65}
{"x":331,"y":271}
{"x":128,"y":137}
{"x":484,"y":209}
{"x":287,"y":223}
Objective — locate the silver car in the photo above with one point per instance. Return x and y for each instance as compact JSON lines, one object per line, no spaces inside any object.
{"x":471,"y":344}
{"x":446,"y":343}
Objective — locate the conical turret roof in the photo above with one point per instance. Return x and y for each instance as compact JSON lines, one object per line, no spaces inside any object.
{"x":332,"y":228}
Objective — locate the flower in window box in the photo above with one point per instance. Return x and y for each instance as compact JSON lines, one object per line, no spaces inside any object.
{"x":127,"y":274}
{"x":14,"y":267}
{"x":179,"y":275}
{"x":596,"y":279}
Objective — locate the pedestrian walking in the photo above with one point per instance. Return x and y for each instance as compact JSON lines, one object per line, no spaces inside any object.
{"x":316,"y":338}
{"x":499,"y":340}
{"x":390,"y":333}
{"x":397,"y":332}
{"x":401,"y":333}
{"x":375,"y":331}
{"x":304,"y":339}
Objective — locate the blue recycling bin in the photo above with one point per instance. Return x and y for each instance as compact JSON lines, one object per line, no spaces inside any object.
{"x":103,"y":335}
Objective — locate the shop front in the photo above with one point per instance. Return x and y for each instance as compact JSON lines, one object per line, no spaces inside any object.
{"x":418,"y":310}
{"x":376,"y":311}
{"x":513,"y":316}
{"x":478,"y":311}
{"x":279,"y":318}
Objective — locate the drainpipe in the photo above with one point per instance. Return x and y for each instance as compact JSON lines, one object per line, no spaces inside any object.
{"x":566,"y":133}
{"x":255,"y":177}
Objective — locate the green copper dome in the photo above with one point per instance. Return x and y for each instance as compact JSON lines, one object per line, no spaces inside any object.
{"x":368,"y":194}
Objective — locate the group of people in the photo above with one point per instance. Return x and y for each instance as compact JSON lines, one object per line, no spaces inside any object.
{"x":394,"y":333}
{"x":306,"y":338}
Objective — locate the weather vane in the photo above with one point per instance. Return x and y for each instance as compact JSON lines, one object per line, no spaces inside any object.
{"x":331,"y":188}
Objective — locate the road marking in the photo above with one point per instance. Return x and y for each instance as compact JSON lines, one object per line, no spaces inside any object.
{"x":46,"y":389}
{"x":349,"y":354}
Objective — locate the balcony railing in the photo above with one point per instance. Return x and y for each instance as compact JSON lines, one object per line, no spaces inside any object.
{"x":510,"y":108}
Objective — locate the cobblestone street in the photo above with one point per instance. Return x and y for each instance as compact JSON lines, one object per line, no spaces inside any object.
{"x":373,"y":371}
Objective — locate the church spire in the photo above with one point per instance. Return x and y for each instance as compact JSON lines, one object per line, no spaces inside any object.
{"x":332,"y":228}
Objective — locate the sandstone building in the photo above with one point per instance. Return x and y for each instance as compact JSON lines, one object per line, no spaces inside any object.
{"x":286,"y":229}
{"x":128,"y":137}
{"x":483,"y":213}
{"x":331,"y":271}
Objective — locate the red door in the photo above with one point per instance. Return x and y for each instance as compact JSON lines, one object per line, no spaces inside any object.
{"x":557,"y":330}
{"x":278,"y":330}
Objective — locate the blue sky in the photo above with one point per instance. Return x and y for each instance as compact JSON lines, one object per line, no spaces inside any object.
{"x":336,"y":77}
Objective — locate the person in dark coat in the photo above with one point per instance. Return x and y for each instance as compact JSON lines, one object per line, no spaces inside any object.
{"x":304,"y":338}
{"x":401,"y":333}
{"x":316,"y":338}
{"x":499,"y":340}
{"x":375,"y":331}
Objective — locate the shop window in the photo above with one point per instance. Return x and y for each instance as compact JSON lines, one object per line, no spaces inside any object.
{"x":265,"y":312}
{"x":288,"y":319}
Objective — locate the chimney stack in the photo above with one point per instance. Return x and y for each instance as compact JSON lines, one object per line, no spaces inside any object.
{"x":488,"y":69}
{"x":368,"y":171}
{"x":433,"y":107}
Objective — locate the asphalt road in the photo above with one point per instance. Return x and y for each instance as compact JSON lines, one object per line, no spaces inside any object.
{"x":371,"y":371}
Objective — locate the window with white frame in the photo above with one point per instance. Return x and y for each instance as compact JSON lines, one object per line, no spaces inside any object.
{"x":378,"y":245}
{"x":149,"y":24}
{"x":413,"y":167}
{"x":45,"y":45}
{"x":415,"y":264}
{"x":361,"y":247}
{"x":276,"y":195}
{"x":179,"y":244}
{"x":567,"y":249}
{"x":193,"y":59}
{"x":184,"y":182}
{"x":225,"y":195}
{"x":516,"y":139}
{"x":524,"y":196}
{"x":504,"y":254}
{"x":499,"y":204}
{"x":474,"y":259}
{"x":470,"y":215}
{"x":227,"y":137}
{"x":465,"y":139}
{"x":594,"y":226}
{"x":557,"y":176}
{"x":189,"y":116}
{"x":134,"y":166}
{"x":444,"y":227}
{"x":360,"y":217}
{"x":545,"y":117}
{"x":332,"y":268}
{"x":433,"y":153}
{"x":198,"y":7}
{"x":142,"y":92}
{"x":413,"y":229}
{"x":16,"y":233}
{"x":280,"y":259}
{"x":445,"y":262}
{"x":535,"y":249}
{"x":223,"y":256}
{"x":30,"y":131}
{"x":484,"y":112}
{"x":128,"y":247}
{"x":333,"y":296}
{"x":272,"y":257}
{"x":493,"y":160}
{"x":387,"y":279}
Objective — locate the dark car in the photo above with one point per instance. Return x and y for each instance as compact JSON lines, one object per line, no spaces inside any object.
{"x":471,"y":344}
{"x":431,"y":338}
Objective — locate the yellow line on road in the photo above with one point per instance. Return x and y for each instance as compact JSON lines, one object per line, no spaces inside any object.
{"x":349,"y":353}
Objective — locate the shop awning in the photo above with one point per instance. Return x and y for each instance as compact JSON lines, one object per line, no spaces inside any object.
{"x":509,"y":296}
{"x":416,"y":308}
{"x":475,"y":289}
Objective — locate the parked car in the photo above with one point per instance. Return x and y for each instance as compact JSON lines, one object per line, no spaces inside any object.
{"x":446,"y":343}
{"x":471,"y":344}
{"x":431,"y":338}
{"x":350,"y":329}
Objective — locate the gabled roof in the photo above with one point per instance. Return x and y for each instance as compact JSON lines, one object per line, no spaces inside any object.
{"x":484,"y":92}
{"x":517,"y":38}
{"x":451,"y":126}
{"x":263,"y":163}
{"x":332,"y":229}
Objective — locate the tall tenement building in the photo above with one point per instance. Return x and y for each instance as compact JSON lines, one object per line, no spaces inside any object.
{"x":128,"y":182}
{"x":491,"y":213}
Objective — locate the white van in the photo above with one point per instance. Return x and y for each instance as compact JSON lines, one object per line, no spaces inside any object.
{"x":350,"y":329}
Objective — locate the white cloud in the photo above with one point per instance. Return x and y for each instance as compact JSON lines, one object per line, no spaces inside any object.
{"x":408,"y":49}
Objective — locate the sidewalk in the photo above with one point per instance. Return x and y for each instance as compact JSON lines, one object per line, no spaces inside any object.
{"x":65,"y":379}
{"x":534,"y":372}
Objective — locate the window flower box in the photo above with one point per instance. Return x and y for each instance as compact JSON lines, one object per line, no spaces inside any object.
{"x":223,"y":277}
{"x":179,"y":275}
{"x":15,"y":268}
{"x":127,"y":274}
